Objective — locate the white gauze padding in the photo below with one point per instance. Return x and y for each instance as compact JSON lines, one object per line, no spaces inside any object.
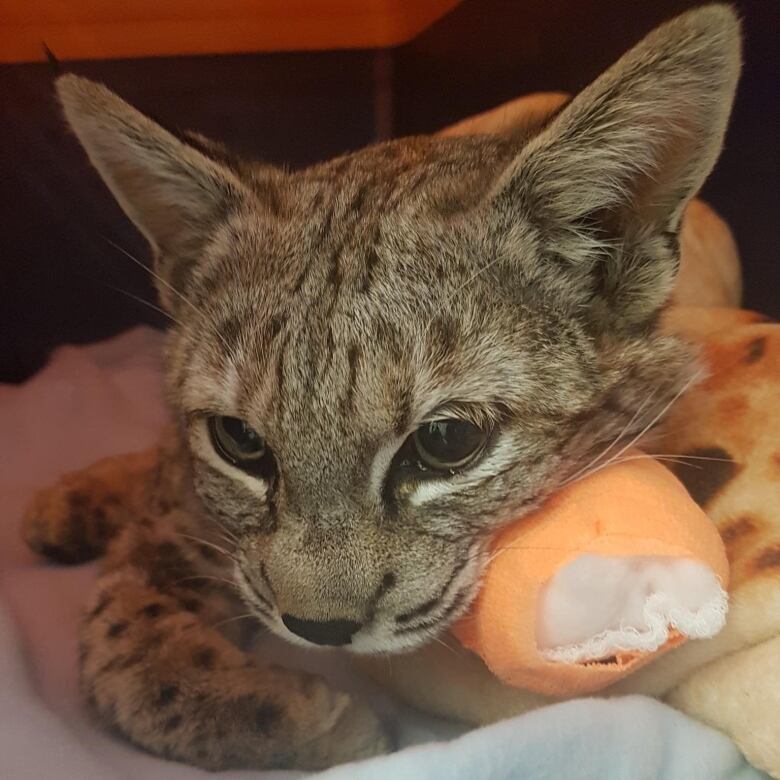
{"x":598,"y":605}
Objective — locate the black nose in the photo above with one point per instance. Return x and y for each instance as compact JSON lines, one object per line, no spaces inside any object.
{"x":322,"y":632}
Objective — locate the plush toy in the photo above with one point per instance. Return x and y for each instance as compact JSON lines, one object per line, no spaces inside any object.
{"x":614,"y":569}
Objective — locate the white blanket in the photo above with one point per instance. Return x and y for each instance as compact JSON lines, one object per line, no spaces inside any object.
{"x":94,"y":401}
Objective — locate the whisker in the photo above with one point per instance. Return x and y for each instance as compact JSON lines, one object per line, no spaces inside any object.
{"x":228,"y":536}
{"x":216,"y":547}
{"x":138,"y":299}
{"x":165,"y":283}
{"x":465,"y":284}
{"x":616,"y":440}
{"x":223,"y":580}
{"x":245,"y":616}
{"x":644,"y":430}
{"x":440,"y":641}
{"x":668,"y":459}
{"x":150,"y":271}
{"x":683,"y":456}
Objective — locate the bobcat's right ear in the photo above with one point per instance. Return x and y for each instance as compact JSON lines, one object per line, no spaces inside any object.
{"x":606,"y":181}
{"x":174,"y":193}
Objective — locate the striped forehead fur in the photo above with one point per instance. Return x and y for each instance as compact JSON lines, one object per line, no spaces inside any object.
{"x":514,"y":280}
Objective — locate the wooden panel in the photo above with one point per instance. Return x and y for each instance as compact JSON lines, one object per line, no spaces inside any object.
{"x":104,"y":29}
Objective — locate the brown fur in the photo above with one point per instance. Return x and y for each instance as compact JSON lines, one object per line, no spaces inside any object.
{"x":514,"y":280}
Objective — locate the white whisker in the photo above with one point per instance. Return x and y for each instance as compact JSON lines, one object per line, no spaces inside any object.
{"x":615,"y":441}
{"x":245,"y":616}
{"x":641,"y":433}
{"x":206,"y":577}
{"x":465,"y":284}
{"x":216,"y":547}
{"x":440,"y":641}
{"x":166,"y":284}
{"x":144,"y":302}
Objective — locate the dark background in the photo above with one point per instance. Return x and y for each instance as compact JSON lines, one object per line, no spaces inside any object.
{"x":59,"y":275}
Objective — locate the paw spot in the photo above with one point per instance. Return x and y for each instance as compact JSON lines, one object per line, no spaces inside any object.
{"x":267,"y":717}
{"x":153,"y":610}
{"x":116,"y":630}
{"x":100,"y":607}
{"x":205,"y":658}
{"x":167,"y":694}
{"x":172,"y":724}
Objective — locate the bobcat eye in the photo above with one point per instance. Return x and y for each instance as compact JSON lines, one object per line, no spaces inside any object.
{"x":236,"y":442}
{"x":449,"y":444}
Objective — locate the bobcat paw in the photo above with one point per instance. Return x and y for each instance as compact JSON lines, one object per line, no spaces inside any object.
{"x":351,"y":731}
{"x":71,"y":522}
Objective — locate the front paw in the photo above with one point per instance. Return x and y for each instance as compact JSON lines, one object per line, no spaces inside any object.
{"x":70,"y":522}
{"x":354,"y":733}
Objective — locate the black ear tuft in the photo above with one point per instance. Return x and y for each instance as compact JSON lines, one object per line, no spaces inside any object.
{"x":54,"y":64}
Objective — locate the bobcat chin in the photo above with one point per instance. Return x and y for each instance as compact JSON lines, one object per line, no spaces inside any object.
{"x":373,"y":364}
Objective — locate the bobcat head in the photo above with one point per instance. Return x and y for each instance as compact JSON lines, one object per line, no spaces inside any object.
{"x":377,"y":361}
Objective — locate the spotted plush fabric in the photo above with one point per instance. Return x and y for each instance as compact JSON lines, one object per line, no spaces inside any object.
{"x":725,"y":435}
{"x":733,"y":419}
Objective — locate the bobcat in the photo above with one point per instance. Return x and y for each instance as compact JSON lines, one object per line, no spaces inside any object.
{"x":373,"y":363}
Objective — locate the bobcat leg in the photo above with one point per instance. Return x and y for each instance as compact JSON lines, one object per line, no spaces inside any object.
{"x":176,"y":687}
{"x":73,"y":521}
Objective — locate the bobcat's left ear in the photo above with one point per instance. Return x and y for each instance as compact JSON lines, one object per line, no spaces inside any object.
{"x":174,"y":193}
{"x":606,"y":182}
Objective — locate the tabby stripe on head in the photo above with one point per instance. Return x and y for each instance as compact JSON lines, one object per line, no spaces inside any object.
{"x":278,"y":321}
{"x":334,"y":275}
{"x":296,"y":288}
{"x":327,"y":221}
{"x":403,"y":412}
{"x":356,"y":206}
{"x":372,"y":260}
{"x":280,"y":357}
{"x":353,"y":356}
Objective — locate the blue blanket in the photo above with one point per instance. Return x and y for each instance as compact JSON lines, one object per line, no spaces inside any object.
{"x":633,"y":738}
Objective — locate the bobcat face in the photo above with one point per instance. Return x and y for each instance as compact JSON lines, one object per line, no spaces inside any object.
{"x":379,"y":360}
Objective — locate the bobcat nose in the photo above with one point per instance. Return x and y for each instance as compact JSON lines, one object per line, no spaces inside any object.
{"x":322,"y":632}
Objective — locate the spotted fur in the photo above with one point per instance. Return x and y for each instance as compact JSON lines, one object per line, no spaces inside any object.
{"x":516,"y":279}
